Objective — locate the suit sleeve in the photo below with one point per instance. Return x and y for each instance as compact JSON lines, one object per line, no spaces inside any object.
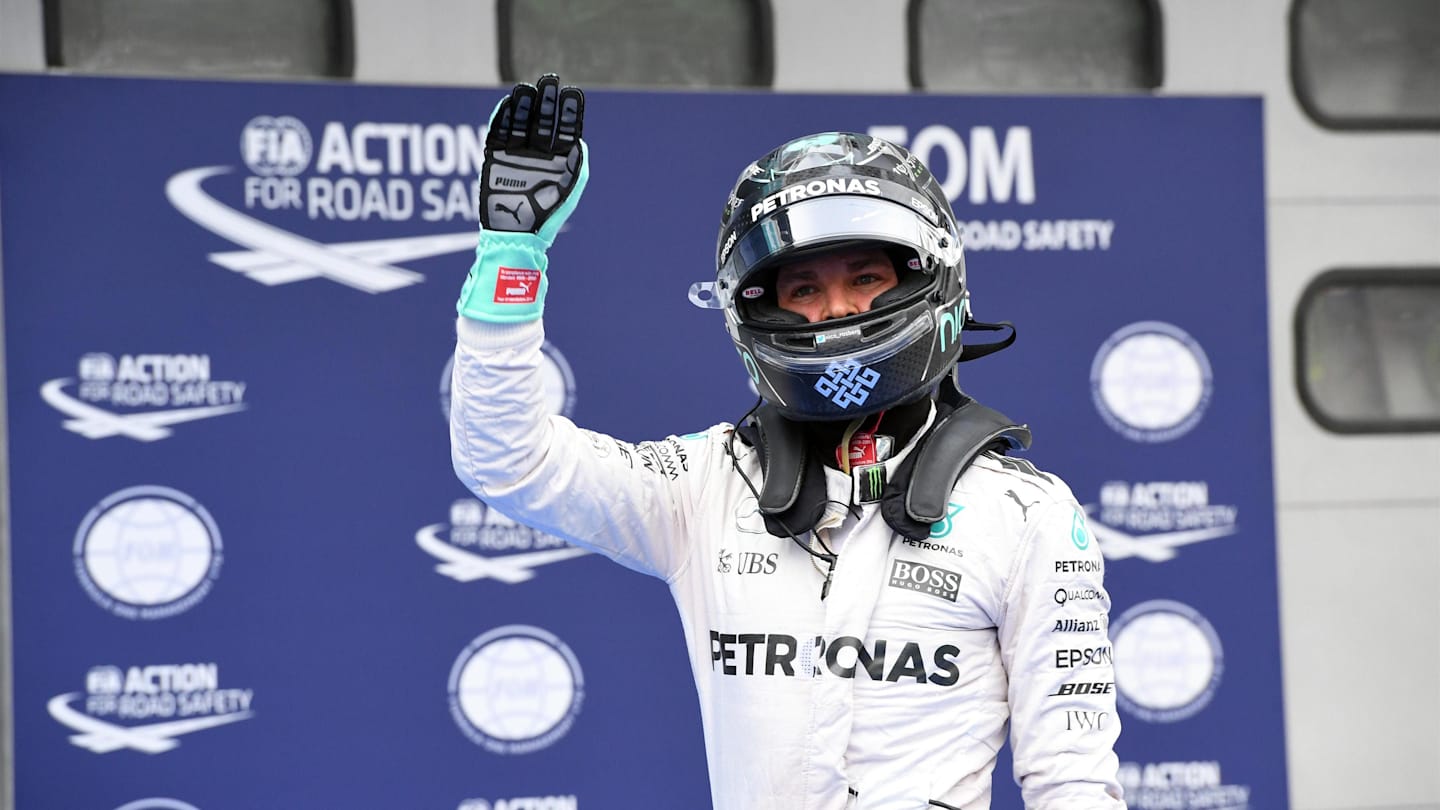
{"x":1056,"y":651}
{"x":628,"y":502}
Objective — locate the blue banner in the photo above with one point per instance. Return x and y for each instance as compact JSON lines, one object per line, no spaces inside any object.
{"x":244,"y":574}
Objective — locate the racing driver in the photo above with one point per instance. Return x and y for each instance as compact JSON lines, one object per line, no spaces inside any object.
{"x":927,"y":589}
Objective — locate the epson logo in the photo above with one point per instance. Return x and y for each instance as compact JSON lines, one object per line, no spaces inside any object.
{"x":927,"y":579}
{"x":729,"y":243}
{"x":925,"y":208}
{"x":1088,"y":657}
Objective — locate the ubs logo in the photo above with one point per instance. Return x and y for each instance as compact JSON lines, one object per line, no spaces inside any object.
{"x":747,"y":562}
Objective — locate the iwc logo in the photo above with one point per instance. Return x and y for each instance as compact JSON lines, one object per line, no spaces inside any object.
{"x":147,"y":552}
{"x":1151,"y":382}
{"x":516,"y":689}
{"x":1168,"y":661}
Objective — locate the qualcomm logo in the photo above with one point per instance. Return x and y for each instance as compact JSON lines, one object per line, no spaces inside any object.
{"x":516,"y":689}
{"x":1152,"y":519}
{"x":557,"y":382}
{"x":1168,"y":661}
{"x":147,"y":552}
{"x":182,"y":698}
{"x":1151,"y":382}
{"x":139,"y":396}
{"x":846,"y":382}
{"x":480,"y":543}
{"x":362,"y":172}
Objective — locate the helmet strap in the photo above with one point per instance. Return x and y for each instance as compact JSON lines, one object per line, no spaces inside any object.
{"x":792,"y":496}
{"x":971,"y":351}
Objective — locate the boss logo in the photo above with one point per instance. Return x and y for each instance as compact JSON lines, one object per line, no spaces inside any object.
{"x":927,"y":579}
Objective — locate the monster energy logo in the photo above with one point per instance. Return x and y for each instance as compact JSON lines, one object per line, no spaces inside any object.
{"x":870,"y":479}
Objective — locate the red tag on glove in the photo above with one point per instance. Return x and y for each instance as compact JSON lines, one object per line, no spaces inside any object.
{"x":515,"y":285}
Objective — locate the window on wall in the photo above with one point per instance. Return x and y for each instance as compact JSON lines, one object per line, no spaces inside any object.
{"x":637,"y":43}
{"x":1367,"y":346}
{"x":255,"y":38}
{"x":1045,"y":46}
{"x":1367,"y":64}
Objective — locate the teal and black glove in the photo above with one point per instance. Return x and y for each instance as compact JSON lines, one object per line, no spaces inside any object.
{"x":535,"y":169}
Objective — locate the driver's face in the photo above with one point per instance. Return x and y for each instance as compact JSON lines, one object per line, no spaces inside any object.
{"x":835,"y":284}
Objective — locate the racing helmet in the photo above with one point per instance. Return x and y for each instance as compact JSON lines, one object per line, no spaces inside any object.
{"x":819,"y":193}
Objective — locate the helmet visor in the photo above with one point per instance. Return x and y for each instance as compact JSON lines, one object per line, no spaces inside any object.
{"x":818,"y":222}
{"x":857,"y":348}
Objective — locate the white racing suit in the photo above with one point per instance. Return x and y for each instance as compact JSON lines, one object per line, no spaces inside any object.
{"x":894,"y":691}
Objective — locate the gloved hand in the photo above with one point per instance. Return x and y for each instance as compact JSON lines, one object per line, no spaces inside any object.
{"x":535,"y":170}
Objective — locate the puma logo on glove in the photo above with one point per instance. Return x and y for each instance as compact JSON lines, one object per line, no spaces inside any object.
{"x":514,"y":212}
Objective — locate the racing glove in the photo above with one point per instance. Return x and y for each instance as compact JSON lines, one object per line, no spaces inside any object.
{"x":534,"y":172}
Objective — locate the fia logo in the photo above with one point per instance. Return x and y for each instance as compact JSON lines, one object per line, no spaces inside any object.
{"x":141,"y":396}
{"x":426,"y":167}
{"x":178,"y":699}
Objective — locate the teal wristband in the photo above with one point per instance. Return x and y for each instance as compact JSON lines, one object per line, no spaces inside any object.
{"x":507,"y":282}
